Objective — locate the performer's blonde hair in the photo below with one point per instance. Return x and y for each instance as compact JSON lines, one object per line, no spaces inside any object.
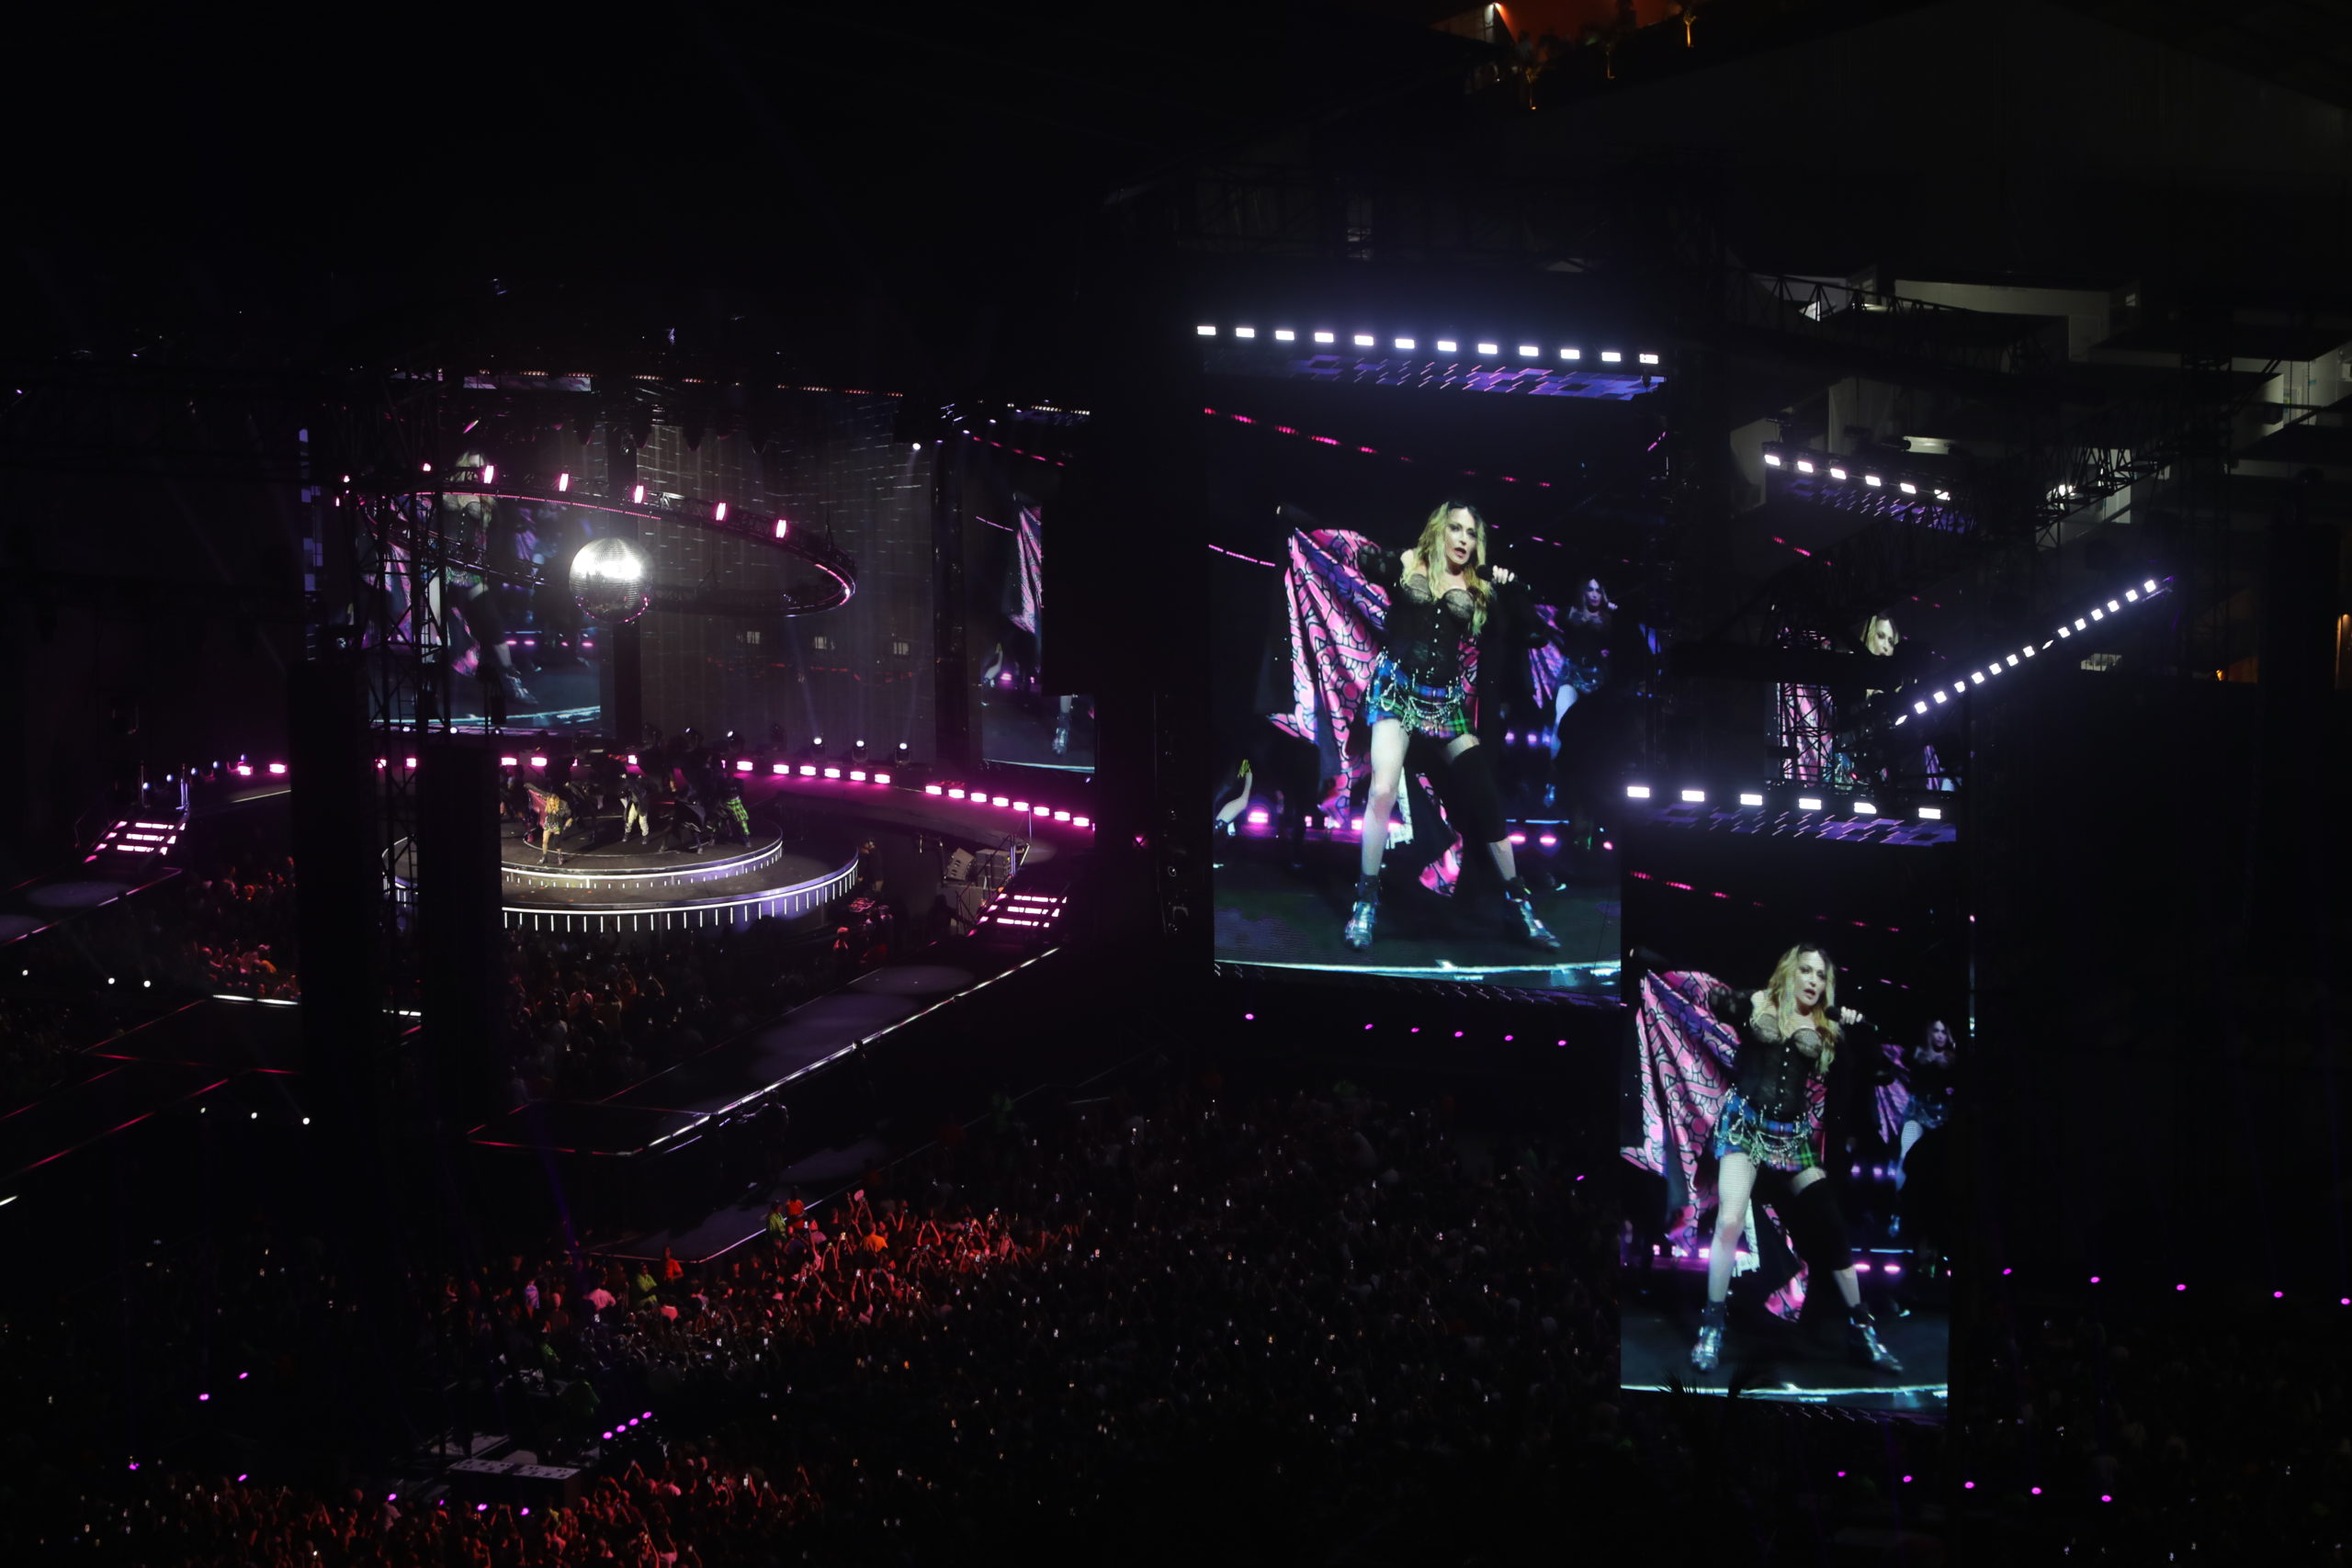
{"x":1780,"y":994}
{"x":1430,"y":548}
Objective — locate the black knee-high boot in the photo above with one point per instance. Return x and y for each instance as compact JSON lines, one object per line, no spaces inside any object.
{"x":1819,"y":1227}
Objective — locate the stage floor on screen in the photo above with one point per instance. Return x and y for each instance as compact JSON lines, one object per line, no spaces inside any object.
{"x":1806,"y":1363}
{"x":1267,"y":913}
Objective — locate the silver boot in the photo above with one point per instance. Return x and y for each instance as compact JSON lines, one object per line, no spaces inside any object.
{"x":1709,"y":1350}
{"x":1360,"y":919}
{"x":1538,"y":933}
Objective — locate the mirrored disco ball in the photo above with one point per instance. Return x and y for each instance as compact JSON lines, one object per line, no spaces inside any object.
{"x":612,"y":581}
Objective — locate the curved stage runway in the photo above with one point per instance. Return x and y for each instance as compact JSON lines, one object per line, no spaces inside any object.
{"x":626,"y":887}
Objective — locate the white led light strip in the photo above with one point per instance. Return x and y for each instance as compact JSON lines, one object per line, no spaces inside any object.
{"x":2148,"y":588}
{"x":1408,"y":342}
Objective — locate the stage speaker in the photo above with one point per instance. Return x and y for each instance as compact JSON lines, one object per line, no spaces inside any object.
{"x":2301,"y":600}
{"x":338,"y":872}
{"x":461,"y":934}
{"x":620,"y":684}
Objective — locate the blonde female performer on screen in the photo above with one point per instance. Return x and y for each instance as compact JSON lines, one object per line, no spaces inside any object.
{"x":1767,"y":1135}
{"x":1440,"y":595}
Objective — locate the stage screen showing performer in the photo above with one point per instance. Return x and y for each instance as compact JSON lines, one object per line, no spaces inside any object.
{"x":501,"y":641}
{"x":1425,"y":695}
{"x":1019,"y":719}
{"x":1791,"y":1086}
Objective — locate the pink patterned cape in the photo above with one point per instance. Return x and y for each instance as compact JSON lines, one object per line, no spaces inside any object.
{"x":1891,"y":1100}
{"x":1687,"y":1059}
{"x":1029,"y":564}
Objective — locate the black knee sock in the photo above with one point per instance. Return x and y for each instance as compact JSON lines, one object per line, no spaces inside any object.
{"x":1818,"y":1228}
{"x":1471,"y":801}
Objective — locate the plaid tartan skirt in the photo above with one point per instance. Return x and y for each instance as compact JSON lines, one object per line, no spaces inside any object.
{"x":1442,"y":713}
{"x":1777,"y":1145}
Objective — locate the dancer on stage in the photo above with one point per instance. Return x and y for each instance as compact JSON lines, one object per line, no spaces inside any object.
{"x":1584,"y":665}
{"x":1768,"y":1133}
{"x":1440,"y":595}
{"x":1922,"y":1105}
{"x":468,"y":526}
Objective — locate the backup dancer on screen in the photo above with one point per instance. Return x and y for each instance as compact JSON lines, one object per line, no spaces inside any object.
{"x":1441,"y":594}
{"x":1917,"y":1104}
{"x":1766,"y":1139}
{"x":1584,"y":664}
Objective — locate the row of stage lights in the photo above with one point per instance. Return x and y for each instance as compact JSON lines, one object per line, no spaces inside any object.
{"x":636,"y":498}
{"x":1036,"y":809}
{"x":1758,"y":800}
{"x":1439,"y":345}
{"x":1841,"y":473}
{"x":1939,"y":695}
{"x":1259,"y":816}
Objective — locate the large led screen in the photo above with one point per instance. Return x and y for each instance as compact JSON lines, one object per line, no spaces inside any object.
{"x":1792,"y":1090}
{"x":1439,"y":604}
{"x":1009,"y":475}
{"x":474,"y":592}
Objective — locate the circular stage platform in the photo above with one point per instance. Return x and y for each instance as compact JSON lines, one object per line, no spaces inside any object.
{"x":618,"y":887}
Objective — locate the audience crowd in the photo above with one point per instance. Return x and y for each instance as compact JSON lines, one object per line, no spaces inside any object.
{"x":1303,"y":1324}
{"x":238,"y":926}
{"x":587,"y":1014}
{"x":1307,"y":1323}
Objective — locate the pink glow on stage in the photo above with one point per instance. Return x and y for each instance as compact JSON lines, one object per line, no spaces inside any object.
{"x":1519,"y":838}
{"x":780,"y":769}
{"x":1080,"y":822}
{"x":933,"y":789}
{"x":1020,"y":805}
{"x":1061,"y":816}
{"x":881,"y":778}
{"x":511,"y":762}
{"x":1548,"y":841}
{"x":956,"y":794}
{"x":857,"y":775}
{"x":245,"y":770}
{"x":277,"y":768}
{"x":832,"y":773}
{"x":1000,"y":800}
{"x":808,"y":770}
{"x":538,"y":761}
{"x":743,"y":765}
